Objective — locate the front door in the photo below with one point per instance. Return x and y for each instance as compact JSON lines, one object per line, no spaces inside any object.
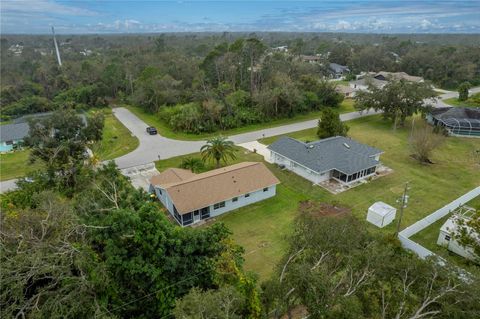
{"x":196,"y":216}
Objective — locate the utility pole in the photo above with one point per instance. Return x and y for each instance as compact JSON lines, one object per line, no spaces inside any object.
{"x":403,"y":201}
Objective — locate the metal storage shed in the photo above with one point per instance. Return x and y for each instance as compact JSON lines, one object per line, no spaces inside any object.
{"x":381,"y":214}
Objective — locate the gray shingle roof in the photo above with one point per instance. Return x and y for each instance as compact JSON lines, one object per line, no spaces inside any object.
{"x":338,"y":152}
{"x":13,"y":132}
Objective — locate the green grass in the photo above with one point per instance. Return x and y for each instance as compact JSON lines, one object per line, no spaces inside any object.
{"x":116,"y":139}
{"x":262,"y":227}
{"x":471,"y":102}
{"x":164,"y":130}
{"x":16,"y":164}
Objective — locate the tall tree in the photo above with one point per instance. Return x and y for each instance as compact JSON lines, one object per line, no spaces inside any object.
{"x":59,"y":141}
{"x":424,"y":141}
{"x":330,"y":124}
{"x":219,"y":149}
{"x":397,"y":100}
{"x":463,"y":91}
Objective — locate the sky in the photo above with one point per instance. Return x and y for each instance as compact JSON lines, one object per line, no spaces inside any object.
{"x":363,"y":16}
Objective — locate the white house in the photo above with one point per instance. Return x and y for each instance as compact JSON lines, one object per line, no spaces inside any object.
{"x":191,"y":197}
{"x":446,"y":236}
{"x":339,"y":158}
{"x":381,"y":214}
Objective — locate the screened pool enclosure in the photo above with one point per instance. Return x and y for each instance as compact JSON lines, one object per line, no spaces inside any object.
{"x":458,"y":121}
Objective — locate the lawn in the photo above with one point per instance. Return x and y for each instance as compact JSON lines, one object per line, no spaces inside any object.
{"x":262,"y":227}
{"x":16,"y":164}
{"x":164,"y":130}
{"x":116,"y":139}
{"x":473,"y":101}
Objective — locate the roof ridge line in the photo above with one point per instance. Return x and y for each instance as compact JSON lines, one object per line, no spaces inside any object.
{"x":197,"y":179}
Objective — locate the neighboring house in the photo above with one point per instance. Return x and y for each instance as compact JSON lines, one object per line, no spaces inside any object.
{"x":191,"y":197}
{"x":311,"y":58}
{"x":457,"y":121}
{"x":347,"y":91}
{"x":12,"y":134}
{"x":387,"y":76}
{"x":364,"y":83}
{"x":380,"y":79}
{"x":447,"y":233}
{"x":283,"y":48}
{"x":338,"y":70}
{"x":15,"y":133}
{"x":338,"y":158}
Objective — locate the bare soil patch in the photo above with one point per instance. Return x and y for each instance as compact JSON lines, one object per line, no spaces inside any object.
{"x":317,"y":210}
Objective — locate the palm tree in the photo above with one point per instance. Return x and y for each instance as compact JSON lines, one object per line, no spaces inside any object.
{"x":192,"y":163}
{"x":218,"y":149}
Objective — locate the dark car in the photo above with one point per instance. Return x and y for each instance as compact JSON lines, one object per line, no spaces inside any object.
{"x":151,"y":130}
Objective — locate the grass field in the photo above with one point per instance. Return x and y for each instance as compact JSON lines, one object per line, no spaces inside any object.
{"x":116,"y":141}
{"x":15,"y":165}
{"x":165,"y":130}
{"x":262,"y":227}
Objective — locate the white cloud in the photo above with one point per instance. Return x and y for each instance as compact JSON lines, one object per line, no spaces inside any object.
{"x":43,"y":7}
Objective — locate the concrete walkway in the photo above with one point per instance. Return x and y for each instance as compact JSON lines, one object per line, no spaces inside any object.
{"x":259,"y":148}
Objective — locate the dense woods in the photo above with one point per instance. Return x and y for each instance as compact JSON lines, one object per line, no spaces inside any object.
{"x":204,"y":83}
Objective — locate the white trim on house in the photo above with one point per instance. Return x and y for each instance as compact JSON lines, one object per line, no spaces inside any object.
{"x":254,"y":196}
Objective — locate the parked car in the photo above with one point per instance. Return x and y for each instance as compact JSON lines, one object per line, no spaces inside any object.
{"x":151,"y":130}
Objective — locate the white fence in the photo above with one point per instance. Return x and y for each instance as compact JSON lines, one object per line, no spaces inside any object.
{"x":411,"y":230}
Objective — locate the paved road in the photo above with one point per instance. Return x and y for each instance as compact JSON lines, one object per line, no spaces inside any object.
{"x":153,"y":146}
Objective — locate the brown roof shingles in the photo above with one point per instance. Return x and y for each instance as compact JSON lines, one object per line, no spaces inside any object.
{"x":205,"y":189}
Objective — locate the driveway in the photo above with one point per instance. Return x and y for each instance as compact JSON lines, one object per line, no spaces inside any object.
{"x":154,"y":147}
{"x":151,"y":147}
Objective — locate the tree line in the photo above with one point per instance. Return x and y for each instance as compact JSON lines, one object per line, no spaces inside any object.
{"x":78,"y":241}
{"x":207,"y":83}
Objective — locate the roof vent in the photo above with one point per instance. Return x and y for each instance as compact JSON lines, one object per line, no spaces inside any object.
{"x":346,"y":145}
{"x":310,"y":146}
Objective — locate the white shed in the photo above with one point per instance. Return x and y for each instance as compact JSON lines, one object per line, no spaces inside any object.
{"x":381,"y":214}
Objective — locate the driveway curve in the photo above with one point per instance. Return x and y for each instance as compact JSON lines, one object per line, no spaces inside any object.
{"x":155,"y":147}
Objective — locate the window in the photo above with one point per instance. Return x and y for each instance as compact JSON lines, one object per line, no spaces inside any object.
{"x":219,"y":205}
{"x":447,"y":237}
{"x":159,"y":191}
{"x":265,"y":189}
{"x":247,"y":195}
{"x":9,"y":142}
{"x":205,"y":212}
{"x":235,"y":199}
{"x":187,"y":219}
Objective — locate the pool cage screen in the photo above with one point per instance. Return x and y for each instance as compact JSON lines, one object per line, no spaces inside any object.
{"x":462,"y":127}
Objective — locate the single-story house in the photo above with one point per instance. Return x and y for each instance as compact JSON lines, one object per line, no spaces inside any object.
{"x":339,"y":158}
{"x":11,"y":134}
{"x":191,"y":197}
{"x":387,"y":76}
{"x":347,"y":91}
{"x":338,"y":70}
{"x":363,"y":84}
{"x":446,"y":237}
{"x":458,"y":121}
{"x":380,"y":79}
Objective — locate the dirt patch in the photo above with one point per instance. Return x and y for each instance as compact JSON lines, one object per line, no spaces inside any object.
{"x":315,"y":209}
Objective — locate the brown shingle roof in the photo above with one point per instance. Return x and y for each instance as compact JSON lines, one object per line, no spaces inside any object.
{"x":171,"y":175}
{"x":205,"y":189}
